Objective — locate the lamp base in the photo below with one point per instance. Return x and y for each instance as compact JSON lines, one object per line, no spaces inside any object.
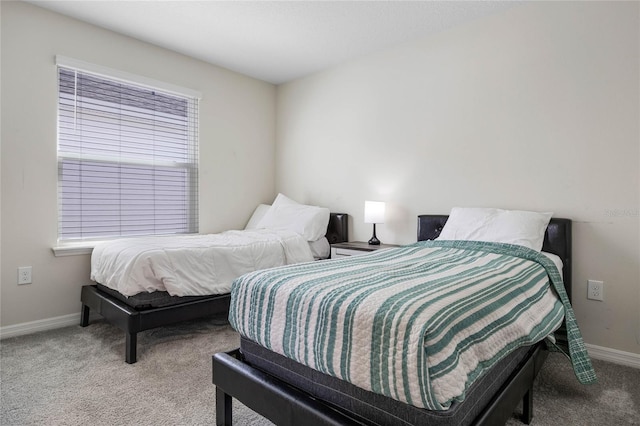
{"x":374,"y":241}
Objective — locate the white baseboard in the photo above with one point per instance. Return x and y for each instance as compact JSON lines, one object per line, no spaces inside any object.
{"x":613,"y":355}
{"x":40,"y":325}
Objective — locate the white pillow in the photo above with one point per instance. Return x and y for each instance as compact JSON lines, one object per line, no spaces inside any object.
{"x":283,"y":199}
{"x":309,"y":221}
{"x":257,"y":216}
{"x":495,"y":225}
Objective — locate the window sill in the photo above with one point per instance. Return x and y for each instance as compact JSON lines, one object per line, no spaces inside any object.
{"x":73,"y":249}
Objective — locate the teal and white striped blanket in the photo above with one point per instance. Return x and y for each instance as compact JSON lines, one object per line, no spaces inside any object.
{"x":418,"y":324}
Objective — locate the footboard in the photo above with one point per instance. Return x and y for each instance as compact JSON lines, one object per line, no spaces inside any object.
{"x":267,"y":396}
{"x":283,"y":404}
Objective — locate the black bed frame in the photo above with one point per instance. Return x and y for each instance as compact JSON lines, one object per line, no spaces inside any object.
{"x":284,"y":404}
{"x":132,"y":320}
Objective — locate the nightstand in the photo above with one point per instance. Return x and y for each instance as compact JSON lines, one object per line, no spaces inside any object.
{"x":355,"y":248}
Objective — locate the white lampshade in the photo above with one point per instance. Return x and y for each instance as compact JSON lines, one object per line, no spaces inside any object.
{"x":373,"y":212}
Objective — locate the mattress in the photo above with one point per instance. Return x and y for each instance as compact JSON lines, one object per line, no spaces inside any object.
{"x":145,"y":301}
{"x":162,"y":299}
{"x":193,"y":265}
{"x":371,"y":405}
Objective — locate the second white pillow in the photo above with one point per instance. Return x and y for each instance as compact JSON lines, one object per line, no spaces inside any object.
{"x":309,"y":221}
{"x":519,"y":227}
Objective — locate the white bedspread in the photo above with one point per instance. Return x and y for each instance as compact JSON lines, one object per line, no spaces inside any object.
{"x":193,"y":265}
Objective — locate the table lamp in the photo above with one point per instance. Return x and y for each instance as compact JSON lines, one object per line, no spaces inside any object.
{"x":374,"y":213}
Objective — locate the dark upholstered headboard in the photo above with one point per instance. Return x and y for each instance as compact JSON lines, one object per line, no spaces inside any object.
{"x":338,"y":229}
{"x":557,"y":239}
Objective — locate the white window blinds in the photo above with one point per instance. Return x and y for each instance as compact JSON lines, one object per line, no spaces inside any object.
{"x":127,"y":158}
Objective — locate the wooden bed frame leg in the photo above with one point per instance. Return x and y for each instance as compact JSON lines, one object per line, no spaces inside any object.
{"x":527,"y":406}
{"x":130,"y":348}
{"x":84,"y":316}
{"x":223,"y":408}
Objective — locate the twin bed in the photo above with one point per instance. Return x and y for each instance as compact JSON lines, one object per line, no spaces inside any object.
{"x":146,"y":310}
{"x":312,"y":354}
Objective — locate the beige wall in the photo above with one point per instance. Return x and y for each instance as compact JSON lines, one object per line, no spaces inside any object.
{"x":536,"y":108}
{"x":237,"y":137}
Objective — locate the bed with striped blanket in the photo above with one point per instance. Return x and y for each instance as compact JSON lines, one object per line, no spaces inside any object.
{"x":417,"y":324}
{"x":287,"y":392}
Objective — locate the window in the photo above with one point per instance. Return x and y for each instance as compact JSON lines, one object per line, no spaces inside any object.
{"x":127,"y":158}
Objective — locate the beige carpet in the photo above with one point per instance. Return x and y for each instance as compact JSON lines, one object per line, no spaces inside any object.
{"x":77,"y":376}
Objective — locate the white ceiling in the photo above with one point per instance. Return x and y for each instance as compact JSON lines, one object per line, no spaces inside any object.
{"x":275,"y":41}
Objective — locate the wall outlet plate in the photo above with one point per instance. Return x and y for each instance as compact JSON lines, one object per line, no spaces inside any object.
{"x":24,"y":275}
{"x":595,"y":290}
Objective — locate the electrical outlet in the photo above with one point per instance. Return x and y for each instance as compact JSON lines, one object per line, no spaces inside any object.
{"x":595,"y":290}
{"x":24,"y":275}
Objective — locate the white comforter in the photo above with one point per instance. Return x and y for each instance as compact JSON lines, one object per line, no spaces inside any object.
{"x":193,"y":265}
